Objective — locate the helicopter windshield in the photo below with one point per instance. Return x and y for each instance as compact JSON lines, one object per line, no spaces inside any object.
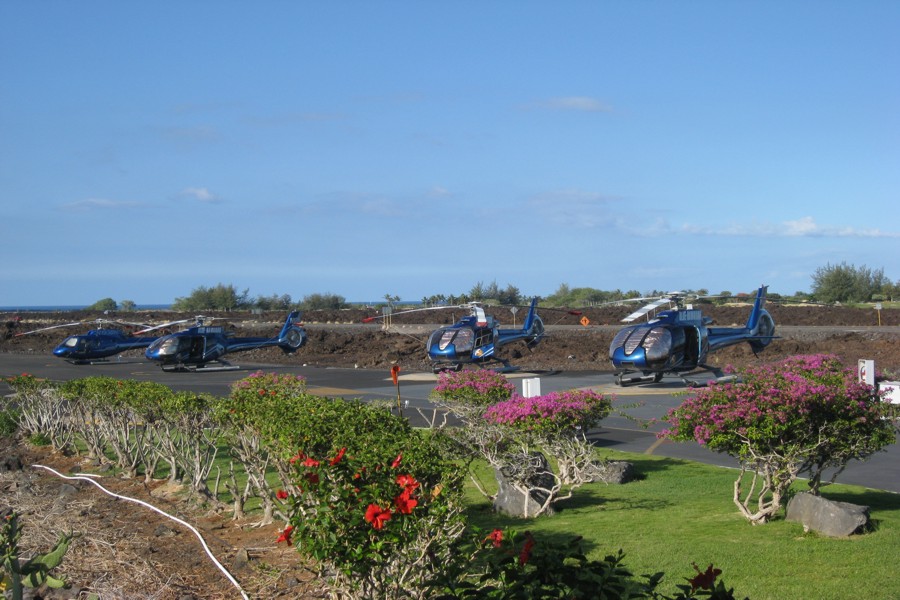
{"x":462,"y":339}
{"x":166,"y":345}
{"x":656,"y":342}
{"x":71,"y":341}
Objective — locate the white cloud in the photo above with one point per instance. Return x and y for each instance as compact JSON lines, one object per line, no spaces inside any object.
{"x":803,"y":227}
{"x":201,"y":194}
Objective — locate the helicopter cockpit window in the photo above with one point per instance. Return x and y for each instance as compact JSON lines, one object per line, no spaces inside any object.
{"x":460,"y":338}
{"x":70,"y":342}
{"x":657,"y":344}
{"x":167,"y":345}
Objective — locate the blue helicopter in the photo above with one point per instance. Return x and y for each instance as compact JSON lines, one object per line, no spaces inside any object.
{"x":678,"y":341}
{"x":197,"y":346}
{"x":476,"y":338}
{"x":97,"y":344}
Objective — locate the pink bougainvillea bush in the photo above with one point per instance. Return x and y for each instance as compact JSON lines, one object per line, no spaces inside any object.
{"x":803,"y":414}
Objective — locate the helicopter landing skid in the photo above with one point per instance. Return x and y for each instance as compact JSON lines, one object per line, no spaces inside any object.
{"x":506,"y":368}
{"x":719,"y":376}
{"x":182,"y":368}
{"x":623,"y":381}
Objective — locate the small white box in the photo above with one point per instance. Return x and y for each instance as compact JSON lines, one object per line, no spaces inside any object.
{"x":892,"y":389}
{"x":531,"y":387}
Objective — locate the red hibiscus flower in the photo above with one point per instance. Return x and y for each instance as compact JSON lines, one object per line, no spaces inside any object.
{"x":310,"y":462}
{"x":525,"y":554}
{"x":397,"y":460}
{"x":496,"y":538}
{"x":404,"y":503}
{"x":285,"y":535}
{"x":407,"y":481}
{"x":377,"y":516}
{"x":705,"y":580}
{"x":338,"y":457}
{"x":281,"y":495}
{"x":296,"y":457}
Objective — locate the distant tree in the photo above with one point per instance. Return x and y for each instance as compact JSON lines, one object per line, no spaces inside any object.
{"x":890,"y":290}
{"x":583,"y":296}
{"x":105,"y":304}
{"x":510,"y":295}
{"x":434,"y":300}
{"x":492,"y":291}
{"x":220,"y":297}
{"x":326,"y":301}
{"x":391,"y":299}
{"x":477,"y":292}
{"x":846,"y":283}
{"x":273,"y":302}
{"x":127,"y":305}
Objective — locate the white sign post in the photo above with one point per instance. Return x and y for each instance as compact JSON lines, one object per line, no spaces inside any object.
{"x":531,"y":387}
{"x":866,"y":370}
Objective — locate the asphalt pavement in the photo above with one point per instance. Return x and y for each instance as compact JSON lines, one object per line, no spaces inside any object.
{"x":646,"y":404}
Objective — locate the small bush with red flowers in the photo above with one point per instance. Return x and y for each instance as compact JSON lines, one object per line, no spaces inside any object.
{"x":378,"y":529}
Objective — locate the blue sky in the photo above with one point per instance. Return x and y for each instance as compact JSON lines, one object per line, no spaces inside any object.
{"x":417,"y":148}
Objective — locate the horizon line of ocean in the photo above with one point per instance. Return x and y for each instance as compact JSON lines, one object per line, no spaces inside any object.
{"x":71,"y":307}
{"x":68,"y":307}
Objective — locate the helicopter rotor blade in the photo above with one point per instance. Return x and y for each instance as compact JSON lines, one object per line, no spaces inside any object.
{"x":155,"y":327}
{"x":646,"y":309}
{"x":100,"y":322}
{"x":49,"y":328}
{"x":470,"y":305}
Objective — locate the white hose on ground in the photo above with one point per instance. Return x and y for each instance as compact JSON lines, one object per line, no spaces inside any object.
{"x":87,"y":477}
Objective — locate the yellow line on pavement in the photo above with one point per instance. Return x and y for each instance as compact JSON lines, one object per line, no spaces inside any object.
{"x":332,"y":391}
{"x":654,"y":446}
{"x":633,"y":390}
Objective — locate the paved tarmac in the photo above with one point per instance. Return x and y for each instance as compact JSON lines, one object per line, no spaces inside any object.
{"x":644,"y":403}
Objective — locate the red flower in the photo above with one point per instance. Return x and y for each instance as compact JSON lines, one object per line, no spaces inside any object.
{"x":407,"y":481}
{"x":405,"y":503}
{"x":705,"y":580}
{"x":496,"y":537}
{"x":377,"y":516}
{"x":525,"y":554}
{"x":296,"y":457}
{"x":338,"y":457}
{"x":285,"y":535}
{"x":310,"y":462}
{"x":397,"y":460}
{"x":281,"y":495}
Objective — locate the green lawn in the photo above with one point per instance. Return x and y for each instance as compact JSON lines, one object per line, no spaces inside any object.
{"x":680,"y":512}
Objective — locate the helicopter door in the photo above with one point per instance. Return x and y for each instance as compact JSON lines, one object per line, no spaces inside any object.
{"x":692,"y":348}
{"x":198,"y":346}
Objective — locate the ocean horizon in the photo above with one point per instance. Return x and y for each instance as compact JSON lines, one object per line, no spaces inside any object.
{"x":139,"y":307}
{"x":69,"y":307}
